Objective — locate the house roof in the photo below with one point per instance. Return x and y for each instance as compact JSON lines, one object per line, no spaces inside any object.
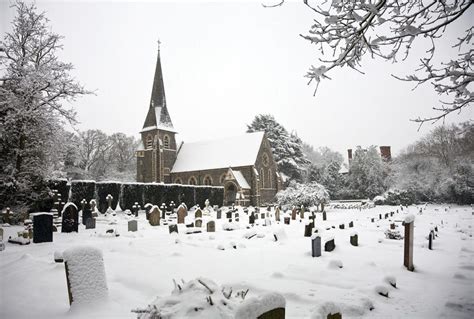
{"x":221,"y":153}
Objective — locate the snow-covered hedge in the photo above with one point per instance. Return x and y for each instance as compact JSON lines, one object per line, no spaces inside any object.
{"x":82,"y":190}
{"x":396,"y":197}
{"x":131,"y":193}
{"x":308,"y":195}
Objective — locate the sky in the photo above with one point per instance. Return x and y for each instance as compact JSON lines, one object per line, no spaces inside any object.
{"x":225,"y":62}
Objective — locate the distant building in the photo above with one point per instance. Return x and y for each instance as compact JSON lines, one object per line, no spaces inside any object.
{"x":243,"y":165}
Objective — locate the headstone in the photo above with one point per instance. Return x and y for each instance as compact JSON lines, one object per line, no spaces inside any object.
{"x":380,"y":216}
{"x":93,"y":205}
{"x":198,"y":222}
{"x":262,"y":215}
{"x":329,"y":245}
{"x":252,"y":218}
{"x":308,"y":229}
{"x":219,"y":214}
{"x":277,"y":214}
{"x":132,"y":225}
{"x":430,"y":241}
{"x":43,"y":228}
{"x":190,"y":225}
{"x":228,"y":215}
{"x":148,"y":208}
{"x":341,"y":226}
{"x":386,"y":216}
{"x":198,"y":213}
{"x":336,"y":315}
{"x":109,"y":199}
{"x":302,"y":212}
{"x":276,"y":313}
{"x":324,"y":215}
{"x":154,"y":216}
{"x":86,"y":214}
{"x":181,"y":214}
{"x":286,"y":220}
{"x":316,"y":246}
{"x":70,"y":220}
{"x":135,"y":209}
{"x":408,"y":246}
{"x":372,"y":220}
{"x":354,"y":240}
{"x":211,"y":226}
{"x":90,"y":223}
{"x":351,"y":224}
{"x":293,"y":213}
{"x":173,"y":228}
{"x":392,"y":226}
{"x":1,"y":234}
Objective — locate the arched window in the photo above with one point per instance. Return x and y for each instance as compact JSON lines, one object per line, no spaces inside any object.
{"x":166,"y":141}
{"x":149,"y":142}
{"x":208,"y":180}
{"x":262,"y":177}
{"x":270,"y":182}
{"x":222,"y":178}
{"x":265,"y":160}
{"x":178,"y":180}
{"x":192,"y":181}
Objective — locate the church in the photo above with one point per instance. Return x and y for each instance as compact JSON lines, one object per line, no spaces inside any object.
{"x":243,"y":165}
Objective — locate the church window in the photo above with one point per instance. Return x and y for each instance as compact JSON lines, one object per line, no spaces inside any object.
{"x":166,"y":171}
{"x":166,"y":141}
{"x":149,"y":142}
{"x":207,"y":180}
{"x":178,"y":181}
{"x":192,"y":181}
{"x":265,"y":159}
{"x":221,"y":180}
{"x":270,"y":178}
{"x":262,"y":177}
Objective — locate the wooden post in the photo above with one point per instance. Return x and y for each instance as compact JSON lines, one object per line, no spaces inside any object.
{"x":408,"y":249}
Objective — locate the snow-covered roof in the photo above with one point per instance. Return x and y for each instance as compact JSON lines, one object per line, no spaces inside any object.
{"x":222,"y":153}
{"x":239,"y":177}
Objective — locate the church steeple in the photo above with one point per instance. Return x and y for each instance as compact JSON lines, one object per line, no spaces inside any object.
{"x":158,"y":115}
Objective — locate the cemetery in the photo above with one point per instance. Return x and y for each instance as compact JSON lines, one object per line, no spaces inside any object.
{"x":235,"y":262}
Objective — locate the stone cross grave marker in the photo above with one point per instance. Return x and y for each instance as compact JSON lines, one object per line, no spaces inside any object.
{"x":252,"y":218}
{"x":132,"y":225}
{"x":316,"y":246}
{"x":154,"y":216}
{"x":211,"y":226}
{"x":42,"y":228}
{"x":70,"y":220}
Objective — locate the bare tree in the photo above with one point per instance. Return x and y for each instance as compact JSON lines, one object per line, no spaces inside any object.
{"x":346,"y":31}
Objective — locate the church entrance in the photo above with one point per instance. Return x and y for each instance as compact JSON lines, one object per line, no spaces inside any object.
{"x":230,"y":193}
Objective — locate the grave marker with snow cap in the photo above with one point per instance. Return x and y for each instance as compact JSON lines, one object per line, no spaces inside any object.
{"x":70,"y":220}
{"x":182,"y":211}
{"x":85,"y":275}
{"x":267,"y":306}
{"x":315,"y":245}
{"x":198,"y":213}
{"x":302,"y":212}
{"x":154,"y":216}
{"x":109,"y":199}
{"x":42,"y":227}
{"x":408,"y":244}
{"x":354,"y":239}
{"x":308,"y":229}
{"x":135,"y":209}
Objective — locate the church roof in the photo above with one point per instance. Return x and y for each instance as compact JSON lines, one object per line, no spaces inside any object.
{"x":158,"y":116}
{"x":239,"y":177}
{"x":222,"y":153}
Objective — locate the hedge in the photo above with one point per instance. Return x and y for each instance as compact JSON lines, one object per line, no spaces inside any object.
{"x":153,"y":193}
{"x":82,"y":190}
{"x":131,"y":193}
{"x":102,"y":190}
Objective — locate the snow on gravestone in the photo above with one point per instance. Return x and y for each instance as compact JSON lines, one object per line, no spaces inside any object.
{"x":85,"y":274}
{"x":269,"y":305}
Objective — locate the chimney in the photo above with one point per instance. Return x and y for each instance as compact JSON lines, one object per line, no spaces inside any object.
{"x":349,"y":155}
{"x":385,"y":153}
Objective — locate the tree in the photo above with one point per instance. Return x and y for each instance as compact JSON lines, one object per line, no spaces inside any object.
{"x":346,"y":31}
{"x":287,"y":148}
{"x":33,"y":85}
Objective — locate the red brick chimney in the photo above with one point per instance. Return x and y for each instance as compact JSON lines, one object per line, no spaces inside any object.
{"x":349,"y":155}
{"x":385,"y":153}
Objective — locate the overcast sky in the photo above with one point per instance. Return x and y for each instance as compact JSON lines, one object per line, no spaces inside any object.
{"x":225,"y":63}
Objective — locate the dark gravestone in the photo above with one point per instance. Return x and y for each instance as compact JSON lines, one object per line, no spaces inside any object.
{"x":219,"y":214}
{"x":341,"y":226}
{"x":277,"y":214}
{"x":351,"y":224}
{"x":392,"y":226}
{"x":302,"y":212}
{"x":86,"y":214}
{"x":236,"y":215}
{"x":329,"y":245}
{"x":380,"y":216}
{"x":372,"y":220}
{"x":308,"y":229}
{"x":198,"y":222}
{"x":293,"y":213}
{"x":228,"y":215}
{"x":154,"y":216}
{"x":277,"y":313}
{"x":391,"y":213}
{"x":286,"y":220}
{"x":355,"y":240}
{"x":230,"y":220}
{"x":316,"y":246}
{"x":211,"y":226}
{"x":336,"y":315}
{"x":173,"y":228}
{"x":70,"y":221}
{"x":324,"y":216}
{"x":430,"y":241}
{"x":42,"y":228}
{"x":252,"y":219}
{"x":132,"y":225}
{"x":386,"y":216}
{"x":90,"y":223}
{"x":262,"y":215}
{"x":198,"y":213}
{"x":408,"y":246}
{"x":181,"y":214}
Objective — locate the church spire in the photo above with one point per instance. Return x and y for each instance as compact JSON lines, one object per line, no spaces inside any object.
{"x":158,"y":113}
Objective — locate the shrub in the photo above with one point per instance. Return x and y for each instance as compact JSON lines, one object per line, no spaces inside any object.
{"x":308,"y":195}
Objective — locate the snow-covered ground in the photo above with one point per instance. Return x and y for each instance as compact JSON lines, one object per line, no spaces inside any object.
{"x":141,"y":266}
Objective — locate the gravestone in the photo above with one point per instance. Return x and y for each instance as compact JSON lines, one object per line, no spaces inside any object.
{"x":329,"y":245}
{"x":262,"y":215}
{"x":228,"y":215}
{"x":190,"y":225}
{"x":90,"y":223}
{"x":42,"y":228}
{"x":1,"y":234}
{"x":86,"y":214}
{"x":324,"y":215}
{"x":354,"y":240}
{"x":430,"y":241}
{"x":277,"y":214}
{"x":236,"y":215}
{"x":341,"y":226}
{"x":219,"y":214}
{"x":336,"y":315}
{"x":93,"y":205}
{"x":293,"y":213}
{"x":380,"y":216}
{"x":173,"y":229}
{"x":316,"y":246}
{"x":351,"y":224}
{"x":392,"y":226}
{"x":135,"y":209}
{"x":198,"y":213}
{"x":132,"y":225}
{"x":386,"y":216}
{"x":198,"y":222}
{"x":302,"y":212}
{"x":181,"y":214}
{"x":211,"y":226}
{"x":308,"y":229}
{"x":372,"y":220}
{"x":252,"y":218}
{"x":109,"y":199}
{"x":148,"y":208}
{"x":286,"y":220}
{"x":154,"y":216}
{"x":70,"y":220}
{"x":408,"y":245}
{"x":163,"y":210}
{"x":277,"y":313}
{"x":391,"y":214}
